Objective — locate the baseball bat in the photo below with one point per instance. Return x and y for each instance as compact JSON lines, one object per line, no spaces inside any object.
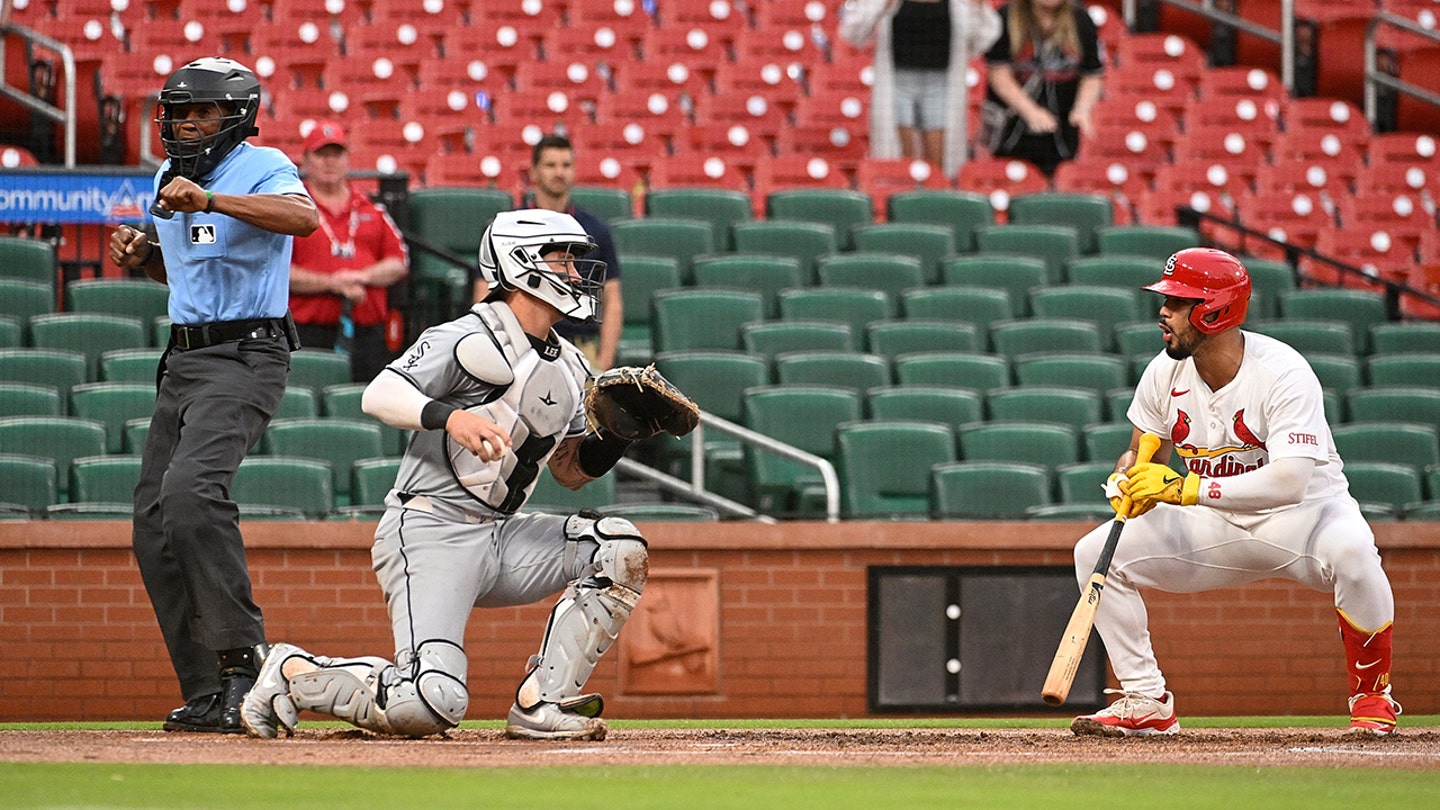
{"x":1082,"y":619}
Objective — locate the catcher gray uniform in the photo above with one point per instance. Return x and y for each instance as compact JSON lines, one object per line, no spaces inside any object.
{"x":452,"y":538}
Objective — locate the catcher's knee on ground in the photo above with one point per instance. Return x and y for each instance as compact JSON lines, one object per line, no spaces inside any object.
{"x":588,"y":617}
{"x":425,"y":695}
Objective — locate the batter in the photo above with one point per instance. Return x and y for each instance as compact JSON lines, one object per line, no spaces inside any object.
{"x":1265,"y":496}
{"x":493,"y":396}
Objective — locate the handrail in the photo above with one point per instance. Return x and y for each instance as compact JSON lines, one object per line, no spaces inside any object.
{"x":744,"y":434}
{"x":1206,"y":8}
{"x":679,"y":487}
{"x":65,"y":116}
{"x":1373,"y":76}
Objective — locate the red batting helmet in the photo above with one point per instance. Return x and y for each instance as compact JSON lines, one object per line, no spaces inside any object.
{"x":1214,"y":278}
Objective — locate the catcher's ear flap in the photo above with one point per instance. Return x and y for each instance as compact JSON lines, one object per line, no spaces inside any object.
{"x":482,"y":359}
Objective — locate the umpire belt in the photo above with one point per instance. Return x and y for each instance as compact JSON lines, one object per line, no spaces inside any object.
{"x":213,"y":334}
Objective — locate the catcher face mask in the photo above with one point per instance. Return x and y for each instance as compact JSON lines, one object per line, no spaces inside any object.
{"x":575,"y":282}
{"x":542,"y":254}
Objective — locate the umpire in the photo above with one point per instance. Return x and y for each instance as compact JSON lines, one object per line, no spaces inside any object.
{"x":225,"y":214}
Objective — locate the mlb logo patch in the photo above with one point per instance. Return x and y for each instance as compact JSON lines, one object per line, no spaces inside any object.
{"x":202,"y":234}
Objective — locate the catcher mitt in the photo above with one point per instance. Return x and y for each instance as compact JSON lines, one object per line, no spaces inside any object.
{"x":637,"y":403}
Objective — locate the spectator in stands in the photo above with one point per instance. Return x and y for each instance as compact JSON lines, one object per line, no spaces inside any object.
{"x":923,"y":49}
{"x":1045,"y":77}
{"x":339,"y":273}
{"x":552,"y":173}
{"x":225,"y":212}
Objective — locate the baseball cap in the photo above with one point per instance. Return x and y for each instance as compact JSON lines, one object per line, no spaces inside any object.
{"x":325,"y":133}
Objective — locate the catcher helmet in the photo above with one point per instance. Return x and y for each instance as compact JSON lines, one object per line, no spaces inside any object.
{"x":1214,"y":278}
{"x":512,"y":257}
{"x":227,"y":84}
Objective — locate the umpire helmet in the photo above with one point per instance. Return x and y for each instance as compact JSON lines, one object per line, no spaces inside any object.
{"x":1214,"y":278}
{"x":512,"y":257}
{"x":230,"y":86}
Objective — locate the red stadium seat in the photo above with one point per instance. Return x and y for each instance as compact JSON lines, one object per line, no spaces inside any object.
{"x":659,"y":112}
{"x":1241,"y":115}
{"x":615,"y":168}
{"x":497,"y":45}
{"x":1000,"y":179}
{"x":796,"y":171}
{"x":1157,"y":207}
{"x":754,"y":111}
{"x":594,"y":45}
{"x":1221,"y":143}
{"x":364,"y":82}
{"x":1098,"y":175}
{"x":297,"y":49}
{"x":789,"y":43}
{"x":1294,"y":217}
{"x":734,"y":141}
{"x":665,"y":76}
{"x":546,"y":108}
{"x":576,"y":79}
{"x":842,"y":144}
{"x":1380,"y":257}
{"x":1241,"y":81}
{"x":695,"y":46}
{"x":463,"y":169}
{"x":1425,"y":278}
{"x":627,"y":18}
{"x":1396,"y":178}
{"x":1409,"y":148}
{"x":797,"y":14}
{"x":723,"y":19}
{"x":1405,"y":217}
{"x":14,"y":157}
{"x":1142,"y":152}
{"x":882,"y":177}
{"x":1149,"y":51}
{"x":763,"y":77}
{"x":430,"y":20}
{"x":1158,"y":85}
{"x":1325,"y":115}
{"x":401,"y":45}
{"x":691,"y":169}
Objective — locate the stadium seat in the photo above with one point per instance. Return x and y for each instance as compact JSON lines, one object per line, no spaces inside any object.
{"x":948,"y":405}
{"x":1026,"y":335}
{"x":25,"y":399}
{"x":56,"y":368}
{"x":987,"y":490}
{"x":1048,"y":444}
{"x":1106,"y":441}
{"x":805,"y":241}
{"x":1098,"y":372}
{"x":130,"y":365}
{"x":1337,"y":372}
{"x":880,"y":178}
{"x":337,"y":442}
{"x":1156,"y":242}
{"x":1125,"y":272}
{"x":25,"y":300}
{"x":857,"y":371}
{"x":805,"y":417}
{"x":840,"y":208}
{"x":1055,"y":244}
{"x":1083,"y":481}
{"x":371,"y":479}
{"x":888,"y":273}
{"x":343,"y":402}
{"x":960,"y":211}
{"x":610,"y":204}
{"x":875,"y":487}
{"x":27,"y":482}
{"x":1106,"y":307}
{"x":1076,"y":407}
{"x":759,"y":272}
{"x":113,"y":404}
{"x":89,"y":334}
{"x":1388,"y":484}
{"x":1269,"y":279}
{"x":1409,"y":336}
{"x":1359,"y":309}
{"x":715,"y":381}
{"x":1086,"y":213}
{"x":1398,"y":442}
{"x":979,"y":306}
{"x":689,"y":319}
{"x":980,"y":372}
{"x":317,"y":369}
{"x":671,"y":237}
{"x":30,"y":260}
{"x":57,"y":437}
{"x":552,"y":498}
{"x":105,"y":479}
{"x":722,"y":208}
{"x":284,"y":487}
{"x":1393,"y":403}
{"x":453,"y":219}
{"x":1015,"y":275}
{"x":12,"y":333}
{"x":929,"y":244}
{"x":1107,"y":177}
{"x":773,"y":338}
{"x":1309,"y":336}
{"x":854,"y":307}
{"x":1407,"y":368}
{"x":643,"y":277}
{"x":1000,"y":180}
{"x":891,"y":339}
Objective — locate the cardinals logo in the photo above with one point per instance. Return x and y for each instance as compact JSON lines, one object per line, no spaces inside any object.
{"x":1181,"y":429}
{"x":1244,"y":433}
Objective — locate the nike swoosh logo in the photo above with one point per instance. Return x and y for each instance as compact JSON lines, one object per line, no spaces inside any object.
{"x":1175,"y":393}
{"x":1359,"y":665}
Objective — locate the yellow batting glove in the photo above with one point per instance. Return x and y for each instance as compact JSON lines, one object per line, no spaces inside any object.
{"x":1157,"y":483}
{"x":1117,"y":490}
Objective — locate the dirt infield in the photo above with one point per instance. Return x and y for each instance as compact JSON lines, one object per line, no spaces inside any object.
{"x":1414,"y":749}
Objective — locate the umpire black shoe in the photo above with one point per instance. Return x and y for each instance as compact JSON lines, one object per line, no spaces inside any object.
{"x":198,"y":714}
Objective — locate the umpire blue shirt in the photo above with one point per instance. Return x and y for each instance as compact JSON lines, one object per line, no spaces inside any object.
{"x":222,"y":269}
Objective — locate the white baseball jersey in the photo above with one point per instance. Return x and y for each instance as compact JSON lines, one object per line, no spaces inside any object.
{"x":485,"y":363}
{"x":1272,"y":409}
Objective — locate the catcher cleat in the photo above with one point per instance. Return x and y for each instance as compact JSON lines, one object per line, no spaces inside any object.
{"x":549,"y":721}
{"x":198,"y":714}
{"x":1133,"y":715}
{"x":268,"y":706}
{"x":1372,"y":715}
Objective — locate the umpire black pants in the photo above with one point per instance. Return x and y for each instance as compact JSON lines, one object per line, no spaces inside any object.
{"x":213,"y":404}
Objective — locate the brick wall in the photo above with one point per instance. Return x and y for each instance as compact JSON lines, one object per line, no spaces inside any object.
{"x":78,"y":640}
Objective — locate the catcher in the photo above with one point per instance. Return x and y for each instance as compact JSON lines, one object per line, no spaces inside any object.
{"x":492,"y":396}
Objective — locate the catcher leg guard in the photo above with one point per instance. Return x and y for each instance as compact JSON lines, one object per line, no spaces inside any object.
{"x":426,"y":695}
{"x":267,"y":707}
{"x":583,"y":625}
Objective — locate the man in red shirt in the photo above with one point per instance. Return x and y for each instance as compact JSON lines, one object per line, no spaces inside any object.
{"x":339,"y":274}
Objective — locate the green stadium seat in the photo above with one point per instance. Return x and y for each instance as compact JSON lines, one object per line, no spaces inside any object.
{"x":26,"y":399}
{"x":854,"y":370}
{"x":1015,"y":337}
{"x":89,"y":333}
{"x":1069,"y":513}
{"x":1360,"y":309}
{"x":1410,"y":336}
{"x":318,"y":369}
{"x":1048,"y":444}
{"x":135,"y":431}
{"x":1309,"y":336}
{"x":1339,"y":372}
{"x":1117,"y":402}
{"x":890,"y":339}
{"x":26,"y":299}
{"x":691,"y":318}
{"x":892,"y":275}
{"x":664,"y":512}
{"x":961,"y":211}
{"x":113,"y":404}
{"x":453,"y":219}
{"x":1426,"y":511}
{"x":1158,"y":242}
{"x":337,"y":442}
{"x":1391,"y":485}
{"x":929,"y":244}
{"x":716,"y":381}
{"x":643,"y":276}
{"x":670,"y":237}
{"x":1084,"y":481}
{"x":872,"y":485}
{"x":61,"y":438}
{"x":130,"y":365}
{"x":1106,"y":307}
{"x":1076,"y":407}
{"x":135,"y":297}
{"x":854,"y":307}
{"x":1394,"y":403}
{"x":609,"y":204}
{"x":105,"y":479}
{"x":926,"y":403}
{"x":1269,"y":279}
{"x":552,"y":498}
{"x":1402,"y":369}
{"x":1016,"y":275}
{"x":12,"y":333}
{"x":298,"y":403}
{"x":1398,"y":442}
{"x":722,"y":208}
{"x":987,"y":490}
{"x":980,"y":372}
{"x":803,"y":241}
{"x":1098,"y":372}
{"x":1054,"y":244}
{"x":1138,"y":339}
{"x":1087,"y":213}
{"x":978,"y":306}
{"x":804,"y":417}
{"x":371,"y":479}
{"x":57,"y":368}
{"x":29,"y":260}
{"x":1106,"y":441}
{"x":758,"y":272}
{"x":29,"y":482}
{"x":1127,"y":272}
{"x":282,"y":486}
{"x":771,"y":338}
{"x":842,"y":209}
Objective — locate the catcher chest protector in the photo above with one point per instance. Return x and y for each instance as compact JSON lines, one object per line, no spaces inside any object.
{"x":588,"y":617}
{"x":1214,"y":278}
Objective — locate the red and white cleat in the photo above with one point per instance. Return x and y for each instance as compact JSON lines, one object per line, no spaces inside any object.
{"x":1133,"y":715}
{"x":1373,"y":714}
